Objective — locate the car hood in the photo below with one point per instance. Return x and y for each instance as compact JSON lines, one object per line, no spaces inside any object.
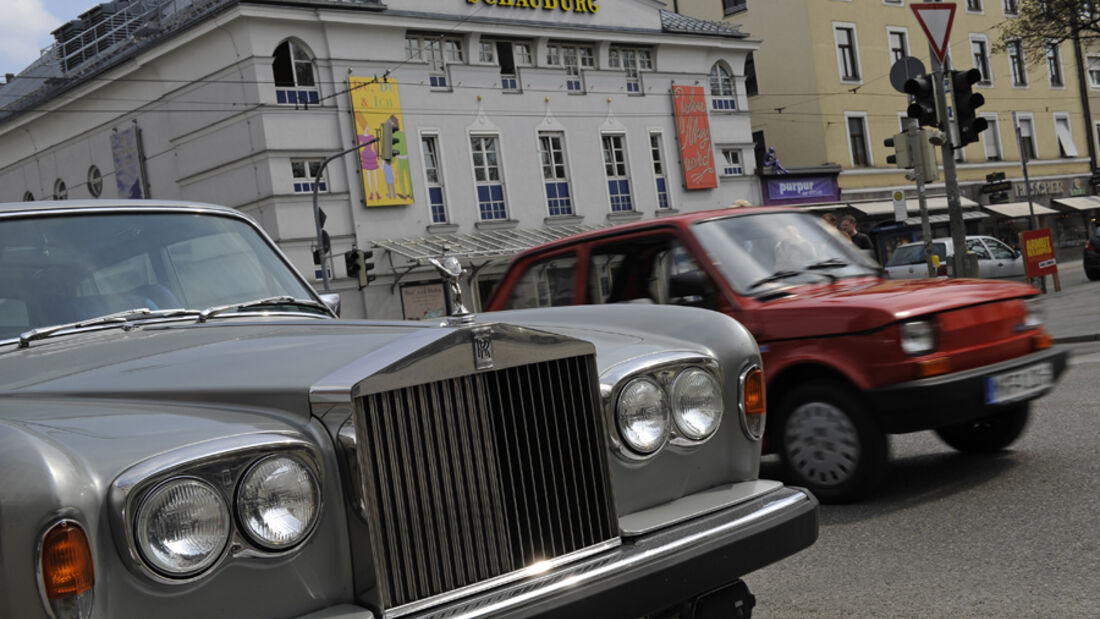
{"x":269,"y":364}
{"x":863,"y":304}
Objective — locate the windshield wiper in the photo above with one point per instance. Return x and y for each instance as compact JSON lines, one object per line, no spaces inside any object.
{"x":787,"y":273}
{"x":117,"y":318}
{"x":210,"y":312}
{"x":828,"y":263}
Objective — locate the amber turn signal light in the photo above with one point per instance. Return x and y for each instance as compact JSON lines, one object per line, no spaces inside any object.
{"x":1042,"y":340}
{"x":754,"y":392}
{"x":933,"y":367}
{"x":67,"y":568}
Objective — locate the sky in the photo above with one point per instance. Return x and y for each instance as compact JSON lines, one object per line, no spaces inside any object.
{"x":26,"y":26}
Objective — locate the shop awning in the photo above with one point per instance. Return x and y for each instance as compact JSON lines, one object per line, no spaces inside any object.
{"x":1017,"y":209}
{"x":940,"y":218}
{"x":1080,"y":203}
{"x":912,"y":205}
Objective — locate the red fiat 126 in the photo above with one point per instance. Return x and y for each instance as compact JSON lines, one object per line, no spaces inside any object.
{"x":849,"y":357}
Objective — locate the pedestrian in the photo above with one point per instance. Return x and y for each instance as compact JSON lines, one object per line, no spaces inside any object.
{"x":848,"y":226}
{"x":830,"y":218}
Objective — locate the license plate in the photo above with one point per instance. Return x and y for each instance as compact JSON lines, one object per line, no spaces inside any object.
{"x":1018,"y":384}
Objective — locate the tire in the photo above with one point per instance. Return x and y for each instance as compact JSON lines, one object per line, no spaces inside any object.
{"x":989,"y":434}
{"x":829,"y":444}
{"x":1093,"y":275}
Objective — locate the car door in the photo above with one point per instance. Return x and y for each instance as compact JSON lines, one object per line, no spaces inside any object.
{"x":1007,"y":261}
{"x":650,"y":268}
{"x":986,"y":267}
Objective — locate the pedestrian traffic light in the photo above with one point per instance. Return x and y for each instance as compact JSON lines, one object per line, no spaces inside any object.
{"x":966,"y":101}
{"x":319,"y":253}
{"x":900,"y":144}
{"x":923,"y":107}
{"x":355,"y":260}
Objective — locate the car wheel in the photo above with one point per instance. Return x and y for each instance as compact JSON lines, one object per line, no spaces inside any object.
{"x":829,"y":444}
{"x":989,"y":434}
{"x":1092,"y":275}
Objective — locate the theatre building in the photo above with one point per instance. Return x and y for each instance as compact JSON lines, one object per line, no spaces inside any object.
{"x":471,"y":128}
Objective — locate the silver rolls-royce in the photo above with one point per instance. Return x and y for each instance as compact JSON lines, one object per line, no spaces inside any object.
{"x":187,"y":429}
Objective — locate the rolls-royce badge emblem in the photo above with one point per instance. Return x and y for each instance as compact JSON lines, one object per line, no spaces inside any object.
{"x":483,"y":349}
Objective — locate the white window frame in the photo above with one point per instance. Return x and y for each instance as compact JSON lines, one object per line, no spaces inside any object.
{"x":866,"y":139}
{"x":615,"y":175}
{"x":991,"y":137}
{"x":978,"y":11}
{"x":1067,"y":148}
{"x":1017,"y":59}
{"x":634,"y":60}
{"x":987,"y":74}
{"x":1020,"y":117}
{"x":302,"y":94}
{"x":720,"y":100}
{"x":438,"y":52}
{"x":731,"y":167}
{"x":487,"y":168}
{"x":1014,"y":11}
{"x":440,"y":181}
{"x":660,"y":169}
{"x":1092,"y":64}
{"x":1060,"y":66}
{"x":890,"y":32}
{"x":565,"y":205}
{"x":857,"y":67}
{"x":304,"y":184}
{"x":583,"y":54}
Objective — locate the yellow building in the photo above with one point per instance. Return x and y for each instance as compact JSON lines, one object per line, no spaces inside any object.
{"x":823,"y":95}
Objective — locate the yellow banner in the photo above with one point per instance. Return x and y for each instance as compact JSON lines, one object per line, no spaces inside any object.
{"x":387,"y":179}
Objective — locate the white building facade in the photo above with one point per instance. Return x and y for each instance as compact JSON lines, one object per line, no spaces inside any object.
{"x":511,"y":122}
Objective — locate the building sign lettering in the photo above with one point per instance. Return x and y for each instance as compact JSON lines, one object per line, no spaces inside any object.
{"x":575,"y":6}
{"x":693,"y":131}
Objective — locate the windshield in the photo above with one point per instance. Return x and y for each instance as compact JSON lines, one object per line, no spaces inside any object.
{"x":914,"y":254}
{"x":751,"y":250}
{"x":65,"y":269}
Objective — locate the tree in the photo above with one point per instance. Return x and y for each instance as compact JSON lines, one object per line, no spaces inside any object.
{"x":1044,"y":22}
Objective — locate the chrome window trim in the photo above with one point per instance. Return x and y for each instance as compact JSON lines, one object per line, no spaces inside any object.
{"x":238,"y":452}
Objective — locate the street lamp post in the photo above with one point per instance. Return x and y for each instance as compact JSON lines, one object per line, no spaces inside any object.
{"x":322,"y":252}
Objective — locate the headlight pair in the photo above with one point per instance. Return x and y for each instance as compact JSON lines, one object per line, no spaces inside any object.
{"x":183,"y":525}
{"x":651,"y":409}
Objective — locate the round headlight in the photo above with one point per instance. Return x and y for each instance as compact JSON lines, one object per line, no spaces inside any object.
{"x":642,"y":415}
{"x":917,"y":337}
{"x":182,"y":527}
{"x":696,"y":403}
{"x":278,"y":502}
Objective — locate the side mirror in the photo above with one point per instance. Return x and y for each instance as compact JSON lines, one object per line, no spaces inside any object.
{"x":332,"y":301}
{"x":1016,"y":253}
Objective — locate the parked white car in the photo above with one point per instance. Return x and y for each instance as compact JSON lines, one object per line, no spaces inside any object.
{"x":995,"y":259}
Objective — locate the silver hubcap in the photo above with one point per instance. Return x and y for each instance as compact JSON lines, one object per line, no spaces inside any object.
{"x":822,"y":444}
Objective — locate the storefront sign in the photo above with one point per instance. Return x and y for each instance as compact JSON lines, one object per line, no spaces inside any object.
{"x":387,"y":178}
{"x":423,"y":301}
{"x":129,"y":163}
{"x":576,"y":6}
{"x":1054,"y":188}
{"x":795,"y":188}
{"x":1038,"y":253}
{"x":693,"y":131}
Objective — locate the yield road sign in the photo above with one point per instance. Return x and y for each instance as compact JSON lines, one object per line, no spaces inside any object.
{"x":935,"y":19}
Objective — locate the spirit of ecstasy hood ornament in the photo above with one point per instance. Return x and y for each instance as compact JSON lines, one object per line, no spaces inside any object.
{"x":450,"y":270}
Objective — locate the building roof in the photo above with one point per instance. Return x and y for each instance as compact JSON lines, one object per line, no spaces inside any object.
{"x":682,"y":24}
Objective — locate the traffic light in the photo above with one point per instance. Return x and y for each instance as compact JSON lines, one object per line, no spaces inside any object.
{"x":900,"y":144}
{"x":389,"y":141}
{"x":966,"y":101}
{"x":923,"y":107}
{"x":355,"y":260}
{"x":319,"y":253}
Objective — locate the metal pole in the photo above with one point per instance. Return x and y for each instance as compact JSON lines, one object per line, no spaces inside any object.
{"x":317,"y":209}
{"x":950,"y":175}
{"x":916,"y":155}
{"x":1033,"y":220}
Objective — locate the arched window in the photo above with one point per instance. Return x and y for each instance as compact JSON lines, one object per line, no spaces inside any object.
{"x":722,"y":95}
{"x":293,"y":69}
{"x":60,"y":191}
{"x":95,"y":182}
{"x":28,"y":197}
{"x":751,"y":89}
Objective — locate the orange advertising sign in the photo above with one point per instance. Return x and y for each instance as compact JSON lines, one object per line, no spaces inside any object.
{"x":693,"y":131}
{"x":1038,"y":253}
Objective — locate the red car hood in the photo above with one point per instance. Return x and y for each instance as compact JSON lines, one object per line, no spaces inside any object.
{"x":868,"y":303}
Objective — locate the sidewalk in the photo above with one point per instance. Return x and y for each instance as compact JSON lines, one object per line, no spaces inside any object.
{"x":1072,"y":315}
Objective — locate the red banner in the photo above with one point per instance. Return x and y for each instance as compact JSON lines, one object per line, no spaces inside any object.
{"x":693,"y":130}
{"x":1038,"y":253}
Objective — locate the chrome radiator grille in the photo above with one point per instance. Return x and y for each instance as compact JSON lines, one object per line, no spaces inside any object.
{"x":472,"y":478}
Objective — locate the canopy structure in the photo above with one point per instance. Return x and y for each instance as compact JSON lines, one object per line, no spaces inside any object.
{"x":1018,"y":209}
{"x":912,"y":206}
{"x":1080,"y":203}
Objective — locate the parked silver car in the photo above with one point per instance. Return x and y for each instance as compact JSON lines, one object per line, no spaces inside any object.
{"x":188,"y":430}
{"x":995,"y":259}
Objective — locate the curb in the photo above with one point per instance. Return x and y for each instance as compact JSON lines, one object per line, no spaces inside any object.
{"x":1072,"y":339}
